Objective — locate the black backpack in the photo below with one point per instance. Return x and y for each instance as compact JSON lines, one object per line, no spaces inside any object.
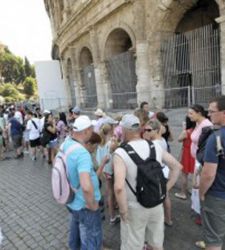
{"x":151,"y":183}
{"x":206,"y":132}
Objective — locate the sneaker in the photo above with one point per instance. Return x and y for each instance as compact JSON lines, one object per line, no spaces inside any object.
{"x":200,"y":244}
{"x":115,"y":220}
{"x":33,"y":158}
{"x":180,"y":196}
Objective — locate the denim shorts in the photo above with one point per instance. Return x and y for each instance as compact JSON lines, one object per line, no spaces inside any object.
{"x":213,"y":218}
{"x":85,"y":230}
{"x":53,"y":143}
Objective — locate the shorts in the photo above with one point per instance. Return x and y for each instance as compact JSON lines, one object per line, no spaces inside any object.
{"x":213,"y":218}
{"x":35,"y":143}
{"x":53,"y":143}
{"x":143,"y":225}
{"x":17,"y":141}
{"x":26,"y":136}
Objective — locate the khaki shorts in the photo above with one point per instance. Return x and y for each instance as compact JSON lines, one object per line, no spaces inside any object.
{"x":144,"y":224}
{"x":213,"y":218}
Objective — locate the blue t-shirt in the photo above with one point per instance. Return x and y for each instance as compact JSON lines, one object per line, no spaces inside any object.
{"x":16,"y":128}
{"x":101,"y":152}
{"x":80,"y":161}
{"x":218,"y":187}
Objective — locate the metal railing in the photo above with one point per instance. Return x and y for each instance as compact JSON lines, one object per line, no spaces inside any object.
{"x":168,"y":98}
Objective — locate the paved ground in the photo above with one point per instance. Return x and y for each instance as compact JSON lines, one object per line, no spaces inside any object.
{"x":30,"y":219}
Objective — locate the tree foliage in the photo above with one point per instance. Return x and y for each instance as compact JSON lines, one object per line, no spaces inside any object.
{"x":17,"y":77}
{"x":11,"y":67}
{"x":29,"y":86}
{"x":9,"y":92}
{"x":28,"y":68}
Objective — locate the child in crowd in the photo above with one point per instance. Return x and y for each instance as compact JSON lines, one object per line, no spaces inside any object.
{"x":105,"y":149}
{"x":91,"y":146}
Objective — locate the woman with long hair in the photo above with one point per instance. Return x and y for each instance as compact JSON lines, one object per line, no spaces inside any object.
{"x":197,"y":114}
{"x":50,"y":129}
{"x":153,"y":130}
{"x":62,"y":127}
{"x":187,"y":159}
{"x":106,"y":148}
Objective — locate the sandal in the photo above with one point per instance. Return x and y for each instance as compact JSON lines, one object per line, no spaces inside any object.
{"x":181,"y":196}
{"x":169,"y":223}
{"x":200,"y":244}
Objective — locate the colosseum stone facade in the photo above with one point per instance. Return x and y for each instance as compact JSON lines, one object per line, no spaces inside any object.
{"x":117,"y":53}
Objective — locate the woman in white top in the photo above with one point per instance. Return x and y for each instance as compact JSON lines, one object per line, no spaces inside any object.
{"x":153,"y":131}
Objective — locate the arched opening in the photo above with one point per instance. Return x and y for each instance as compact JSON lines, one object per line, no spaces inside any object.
{"x":120,"y":63}
{"x":71,"y":82}
{"x":87,"y":72}
{"x":191,"y":58}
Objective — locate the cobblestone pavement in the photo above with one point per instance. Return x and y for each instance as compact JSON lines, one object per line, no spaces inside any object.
{"x":30,"y":218}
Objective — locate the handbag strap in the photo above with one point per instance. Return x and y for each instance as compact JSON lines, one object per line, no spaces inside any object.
{"x":35,"y":125}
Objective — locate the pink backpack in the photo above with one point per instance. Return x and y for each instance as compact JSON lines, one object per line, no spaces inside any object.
{"x":62,"y":190}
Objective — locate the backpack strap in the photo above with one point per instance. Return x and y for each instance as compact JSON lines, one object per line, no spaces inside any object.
{"x":66,"y":154}
{"x":135,"y":157}
{"x":132,"y":153}
{"x":152,"y":150}
{"x":219,"y":145}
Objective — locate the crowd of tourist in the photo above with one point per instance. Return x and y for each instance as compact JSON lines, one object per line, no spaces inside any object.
{"x":101,"y":159}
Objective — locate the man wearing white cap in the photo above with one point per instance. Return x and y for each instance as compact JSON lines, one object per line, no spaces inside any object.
{"x":138,"y":223}
{"x":85,"y":227}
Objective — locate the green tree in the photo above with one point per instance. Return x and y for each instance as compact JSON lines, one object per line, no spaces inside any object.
{"x":27,"y":67}
{"x":11,"y":67}
{"x":9,"y":92}
{"x":29,"y":86}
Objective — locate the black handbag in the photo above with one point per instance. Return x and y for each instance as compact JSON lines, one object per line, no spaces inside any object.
{"x":45,"y":138}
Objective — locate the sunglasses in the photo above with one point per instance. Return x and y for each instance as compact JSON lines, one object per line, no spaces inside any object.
{"x":147,"y":130}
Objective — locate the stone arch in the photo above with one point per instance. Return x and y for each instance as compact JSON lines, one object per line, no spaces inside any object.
{"x":175,"y":11}
{"x":55,"y":52}
{"x":85,"y":57}
{"x":201,"y":14}
{"x":88,"y":83}
{"x":120,"y":26}
{"x":120,"y":64}
{"x":70,"y":79}
{"x":118,"y":41}
{"x":194,"y":44}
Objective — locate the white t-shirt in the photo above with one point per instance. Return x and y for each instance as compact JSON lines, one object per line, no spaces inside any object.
{"x":19,"y":117}
{"x":142,"y":148}
{"x":162,"y":143}
{"x":42,"y":122}
{"x":33,"y":132}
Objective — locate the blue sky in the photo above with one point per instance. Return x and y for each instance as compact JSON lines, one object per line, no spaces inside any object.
{"x":25,"y":28}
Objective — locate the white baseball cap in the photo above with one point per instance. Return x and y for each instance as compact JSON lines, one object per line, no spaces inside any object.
{"x":130,"y":121}
{"x":81,"y":123}
{"x":46,"y":111}
{"x":76,"y":110}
